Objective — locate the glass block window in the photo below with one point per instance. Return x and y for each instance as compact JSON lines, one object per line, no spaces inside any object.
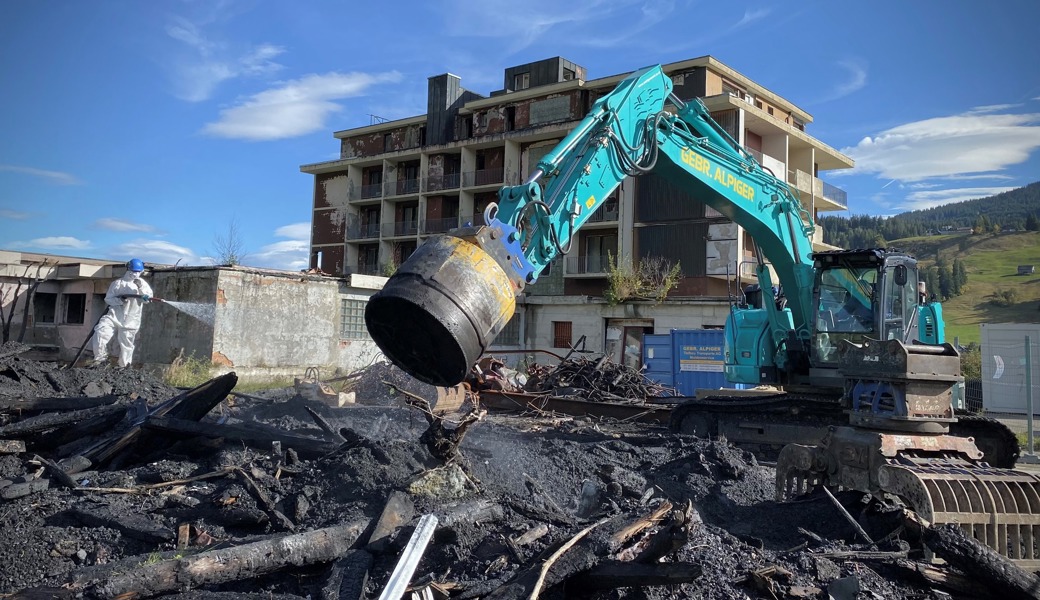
{"x":510,"y":335}
{"x":352,"y":320}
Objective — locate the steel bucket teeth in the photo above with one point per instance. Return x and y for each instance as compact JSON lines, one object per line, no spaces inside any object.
{"x":797,"y":471}
{"x":998,"y":507}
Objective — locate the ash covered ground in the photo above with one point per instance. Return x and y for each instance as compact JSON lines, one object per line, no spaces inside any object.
{"x":522,"y":486}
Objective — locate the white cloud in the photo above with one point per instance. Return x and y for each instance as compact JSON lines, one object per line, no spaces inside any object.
{"x":16,"y":215}
{"x":296,"y":231}
{"x":296,"y":108}
{"x":290,"y":254}
{"x":113,"y":224}
{"x":157,"y":251}
{"x":955,"y":146}
{"x":57,"y":177}
{"x":60,"y":242}
{"x":210,"y":63}
{"x":750,"y":16}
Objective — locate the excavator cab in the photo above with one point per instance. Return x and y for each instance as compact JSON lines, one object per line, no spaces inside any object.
{"x":860,"y":295}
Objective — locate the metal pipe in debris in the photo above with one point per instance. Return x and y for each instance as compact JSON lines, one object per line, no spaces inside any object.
{"x":410,"y":558}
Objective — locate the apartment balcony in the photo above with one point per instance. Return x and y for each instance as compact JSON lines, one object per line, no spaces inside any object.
{"x":825,"y":196}
{"x":607,"y":213}
{"x":372,"y":190}
{"x":367,"y":268}
{"x":483,"y":177}
{"x":441,"y":183}
{"x":402,"y":187}
{"x":400,"y":229}
{"x":439,"y":225}
{"x":362,"y":231}
{"x":592,"y":266}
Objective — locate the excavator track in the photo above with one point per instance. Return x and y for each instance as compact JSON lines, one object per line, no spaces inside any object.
{"x":765,"y":424}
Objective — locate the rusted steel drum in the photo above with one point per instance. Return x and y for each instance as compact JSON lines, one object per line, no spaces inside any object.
{"x":441,"y":309}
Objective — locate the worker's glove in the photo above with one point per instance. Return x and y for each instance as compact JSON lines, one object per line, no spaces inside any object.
{"x":146,"y":297}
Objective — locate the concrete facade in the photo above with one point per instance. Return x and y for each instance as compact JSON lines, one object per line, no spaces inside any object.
{"x":398,"y":182}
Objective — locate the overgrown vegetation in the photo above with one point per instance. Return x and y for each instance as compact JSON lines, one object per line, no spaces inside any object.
{"x":188,"y":372}
{"x":1004,"y":297}
{"x":651,"y":279}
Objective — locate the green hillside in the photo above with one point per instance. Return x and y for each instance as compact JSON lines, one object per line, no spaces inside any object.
{"x":992,"y":262}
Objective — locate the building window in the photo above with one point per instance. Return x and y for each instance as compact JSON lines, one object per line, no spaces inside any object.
{"x":74,"y":308}
{"x":521,"y":81}
{"x":561,"y":334}
{"x":44,"y":307}
{"x":568,"y":74}
{"x":510,"y":334}
{"x":388,"y":141}
{"x":352,"y":320}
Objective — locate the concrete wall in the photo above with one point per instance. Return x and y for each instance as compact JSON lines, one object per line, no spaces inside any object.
{"x":265,"y":324}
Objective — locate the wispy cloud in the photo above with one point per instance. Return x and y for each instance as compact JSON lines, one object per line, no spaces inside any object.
{"x":157,"y":251}
{"x":968,"y":144}
{"x":113,"y":224}
{"x":208,"y":62}
{"x":295,"y":108}
{"x":16,"y":215}
{"x":61,"y":242}
{"x":855,"y":71}
{"x":57,"y":177}
{"x":750,"y":16}
{"x":290,"y":254}
{"x":921,"y":200}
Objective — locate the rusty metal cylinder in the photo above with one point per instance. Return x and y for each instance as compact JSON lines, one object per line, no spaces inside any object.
{"x":441,"y":309}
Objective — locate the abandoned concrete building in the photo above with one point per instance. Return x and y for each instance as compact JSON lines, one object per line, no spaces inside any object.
{"x":398,"y":182}
{"x":260,"y":323}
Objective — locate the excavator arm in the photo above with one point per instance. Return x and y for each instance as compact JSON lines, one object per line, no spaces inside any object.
{"x":460,"y":287}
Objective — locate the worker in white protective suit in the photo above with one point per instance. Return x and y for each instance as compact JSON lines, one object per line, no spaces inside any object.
{"x":126,"y":298}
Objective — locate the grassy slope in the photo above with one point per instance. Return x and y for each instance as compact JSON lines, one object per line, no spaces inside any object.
{"x":992,"y":264}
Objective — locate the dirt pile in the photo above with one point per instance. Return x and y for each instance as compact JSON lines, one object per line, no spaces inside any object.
{"x":647,"y":514}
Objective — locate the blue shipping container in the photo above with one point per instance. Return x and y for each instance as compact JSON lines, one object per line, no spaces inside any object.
{"x":696,"y":360}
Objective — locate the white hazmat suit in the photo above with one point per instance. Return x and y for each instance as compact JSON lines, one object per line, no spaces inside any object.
{"x":126,"y":298}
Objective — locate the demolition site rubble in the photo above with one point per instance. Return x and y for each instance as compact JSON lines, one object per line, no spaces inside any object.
{"x":115,"y":485}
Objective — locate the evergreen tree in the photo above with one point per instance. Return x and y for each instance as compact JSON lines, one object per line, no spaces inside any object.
{"x":1032,"y":223}
{"x":945,"y":283}
{"x":960,"y":275}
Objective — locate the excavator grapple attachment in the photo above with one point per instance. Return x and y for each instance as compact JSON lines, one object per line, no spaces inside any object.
{"x":939,"y":477}
{"x":998,"y":507}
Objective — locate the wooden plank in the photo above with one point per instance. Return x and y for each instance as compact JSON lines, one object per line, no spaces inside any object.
{"x":54,"y":404}
{"x":255,"y":436}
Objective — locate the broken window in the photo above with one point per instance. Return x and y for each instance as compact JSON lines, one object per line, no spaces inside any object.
{"x":561,"y":334}
{"x":45,"y":306}
{"x":521,"y":81}
{"x":388,"y":142}
{"x":74,"y":308}
{"x":568,"y":74}
{"x":352,"y":320}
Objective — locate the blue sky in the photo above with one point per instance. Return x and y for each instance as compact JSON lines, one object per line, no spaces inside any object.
{"x":149,"y":128}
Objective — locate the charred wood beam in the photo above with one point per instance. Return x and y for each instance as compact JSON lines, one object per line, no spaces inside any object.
{"x":137,"y":527}
{"x":257,"y":437}
{"x":54,"y":404}
{"x":1004,"y":578}
{"x":48,"y":421}
{"x":230,"y":564}
{"x":192,"y":404}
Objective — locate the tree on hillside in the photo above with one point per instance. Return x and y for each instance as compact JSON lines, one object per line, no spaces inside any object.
{"x":1032,"y":223}
{"x":960,"y":276}
{"x":931,"y":280}
{"x":946,"y":283}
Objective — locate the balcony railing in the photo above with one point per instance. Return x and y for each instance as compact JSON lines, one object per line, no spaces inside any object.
{"x":440,"y":225}
{"x":367,"y":268}
{"x":372,"y":190}
{"x":587,"y":265}
{"x":402,"y":187}
{"x":398,"y":228}
{"x":441,"y":182}
{"x":818,"y":188}
{"x":604,"y":214}
{"x":362,"y":231}
{"x":483,"y":177}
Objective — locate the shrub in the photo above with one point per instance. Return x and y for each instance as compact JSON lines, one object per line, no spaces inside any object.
{"x":188,"y":372}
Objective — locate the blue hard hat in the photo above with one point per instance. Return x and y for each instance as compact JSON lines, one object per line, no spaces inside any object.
{"x":136,"y":265}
